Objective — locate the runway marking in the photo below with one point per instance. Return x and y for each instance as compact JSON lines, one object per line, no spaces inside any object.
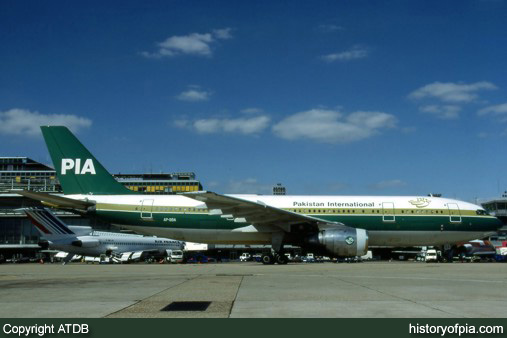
{"x":235,"y":296}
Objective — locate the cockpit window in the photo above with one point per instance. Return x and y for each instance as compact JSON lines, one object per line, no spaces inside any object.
{"x":482,"y":212}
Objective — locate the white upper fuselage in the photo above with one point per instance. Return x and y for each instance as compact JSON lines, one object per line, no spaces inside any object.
{"x":290,"y":202}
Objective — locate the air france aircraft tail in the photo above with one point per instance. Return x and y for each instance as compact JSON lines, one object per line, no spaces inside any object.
{"x":78,"y":170}
{"x":50,"y":226}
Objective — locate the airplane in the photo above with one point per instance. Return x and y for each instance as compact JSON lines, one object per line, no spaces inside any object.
{"x":337,"y":226}
{"x":83,"y":241}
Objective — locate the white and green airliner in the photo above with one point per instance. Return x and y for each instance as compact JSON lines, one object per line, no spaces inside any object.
{"x":340,"y":226}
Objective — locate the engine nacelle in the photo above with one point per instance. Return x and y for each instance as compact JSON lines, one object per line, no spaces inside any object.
{"x":346,"y":242}
{"x":86,"y":242}
{"x":44,"y":244}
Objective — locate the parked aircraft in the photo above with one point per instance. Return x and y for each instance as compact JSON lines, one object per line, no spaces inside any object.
{"x":82,"y":240}
{"x":339,"y":226}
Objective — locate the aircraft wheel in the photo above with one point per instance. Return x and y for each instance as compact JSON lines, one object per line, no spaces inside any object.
{"x":267,"y":259}
{"x":282,"y":259}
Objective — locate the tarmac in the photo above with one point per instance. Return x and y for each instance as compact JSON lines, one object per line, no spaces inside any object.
{"x":252,"y":290}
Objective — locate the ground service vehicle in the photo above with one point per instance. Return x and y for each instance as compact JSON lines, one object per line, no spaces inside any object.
{"x":431,"y":256}
{"x":245,"y":257}
{"x":175,"y":256}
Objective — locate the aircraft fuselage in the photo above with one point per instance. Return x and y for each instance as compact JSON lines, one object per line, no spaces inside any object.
{"x":389,"y":220}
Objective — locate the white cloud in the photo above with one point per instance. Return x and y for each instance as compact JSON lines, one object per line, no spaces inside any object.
{"x":194,"y":95}
{"x":452,"y":92}
{"x":24,"y":122}
{"x":444,"y":112}
{"x":224,"y":33}
{"x":247,"y":186}
{"x":497,"y":110}
{"x":330,"y":126}
{"x":207,"y":126}
{"x":396,"y":183}
{"x":247,"y":126}
{"x":192,"y":44}
{"x":354,"y":53}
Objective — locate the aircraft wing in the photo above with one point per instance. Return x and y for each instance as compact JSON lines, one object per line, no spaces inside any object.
{"x":55,"y":201}
{"x":258,"y":213}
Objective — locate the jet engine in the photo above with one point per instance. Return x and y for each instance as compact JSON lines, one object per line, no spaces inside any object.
{"x":86,"y":243}
{"x":44,"y":244}
{"x":341,"y":242}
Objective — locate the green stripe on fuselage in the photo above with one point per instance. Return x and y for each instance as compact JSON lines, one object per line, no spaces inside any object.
{"x":203,"y":220}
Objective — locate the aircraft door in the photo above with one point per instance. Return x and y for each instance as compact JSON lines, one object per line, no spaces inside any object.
{"x":454,"y":213}
{"x":388,"y":212}
{"x":146,"y":209}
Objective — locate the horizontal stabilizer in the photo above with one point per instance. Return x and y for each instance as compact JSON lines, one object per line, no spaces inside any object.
{"x":56,"y":201}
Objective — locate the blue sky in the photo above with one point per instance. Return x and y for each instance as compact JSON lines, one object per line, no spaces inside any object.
{"x":326,"y":97}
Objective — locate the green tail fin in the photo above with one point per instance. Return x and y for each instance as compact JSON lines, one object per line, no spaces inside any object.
{"x":78,"y":171}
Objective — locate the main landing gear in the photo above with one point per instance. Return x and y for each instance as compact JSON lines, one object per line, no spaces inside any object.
{"x":277,"y":254}
{"x":270,"y":259}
